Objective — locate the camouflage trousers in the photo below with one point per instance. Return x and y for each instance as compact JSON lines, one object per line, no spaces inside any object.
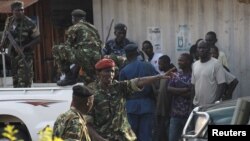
{"x":85,"y":58}
{"x":22,"y":71}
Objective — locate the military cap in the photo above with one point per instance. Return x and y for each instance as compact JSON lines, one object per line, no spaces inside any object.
{"x":121,"y":26}
{"x":17,"y":4}
{"x":104,"y":63}
{"x":131,"y":48}
{"x":81,"y":91}
{"x":78,"y":13}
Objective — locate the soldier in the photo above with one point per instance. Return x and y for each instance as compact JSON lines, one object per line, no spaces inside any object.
{"x":109,"y":114}
{"x":116,"y":46}
{"x":81,"y":48}
{"x":20,"y":34}
{"x":71,"y":125}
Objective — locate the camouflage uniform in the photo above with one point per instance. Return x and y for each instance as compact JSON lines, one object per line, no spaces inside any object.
{"x":82,"y":47}
{"x":71,"y":126}
{"x":23,"y":32}
{"x":108,"y":113}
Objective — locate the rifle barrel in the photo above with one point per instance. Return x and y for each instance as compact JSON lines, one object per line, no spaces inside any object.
{"x":109,"y":30}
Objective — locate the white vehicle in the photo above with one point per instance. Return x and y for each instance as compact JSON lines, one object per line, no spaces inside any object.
{"x":31,"y":109}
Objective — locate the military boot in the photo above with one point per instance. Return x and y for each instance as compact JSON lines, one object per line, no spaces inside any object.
{"x":70,"y":78}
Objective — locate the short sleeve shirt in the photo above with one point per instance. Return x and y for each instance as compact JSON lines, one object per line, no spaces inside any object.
{"x":206,"y":77}
{"x":181,"y":105}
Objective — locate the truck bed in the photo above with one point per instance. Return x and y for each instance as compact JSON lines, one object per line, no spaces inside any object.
{"x":33,"y":108}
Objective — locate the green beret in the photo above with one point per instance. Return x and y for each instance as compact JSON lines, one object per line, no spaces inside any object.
{"x":78,"y":13}
{"x":81,"y":91}
{"x":131,"y":48}
{"x":121,"y":26}
{"x":16,"y":4}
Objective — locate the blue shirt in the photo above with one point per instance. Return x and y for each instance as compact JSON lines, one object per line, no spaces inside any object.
{"x":143,"y":101}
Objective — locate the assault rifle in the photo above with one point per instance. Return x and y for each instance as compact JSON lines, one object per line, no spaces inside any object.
{"x":110,"y":26}
{"x":20,"y":52}
{"x":15,"y":45}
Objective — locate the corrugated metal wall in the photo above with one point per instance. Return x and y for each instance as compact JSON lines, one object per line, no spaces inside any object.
{"x":228,"y":18}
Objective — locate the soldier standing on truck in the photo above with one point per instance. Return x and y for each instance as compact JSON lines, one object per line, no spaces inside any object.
{"x":80,"y":50}
{"x":20,"y":34}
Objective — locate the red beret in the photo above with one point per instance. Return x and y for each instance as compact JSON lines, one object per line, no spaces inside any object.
{"x":104,"y":63}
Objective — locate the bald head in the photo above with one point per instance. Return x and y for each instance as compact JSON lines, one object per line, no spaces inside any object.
{"x":202,"y":43}
{"x":203,"y":49}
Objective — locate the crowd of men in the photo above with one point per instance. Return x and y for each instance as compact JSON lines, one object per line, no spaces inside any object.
{"x":128,"y":94}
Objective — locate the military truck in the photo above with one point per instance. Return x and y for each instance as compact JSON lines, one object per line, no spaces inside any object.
{"x":31,"y":109}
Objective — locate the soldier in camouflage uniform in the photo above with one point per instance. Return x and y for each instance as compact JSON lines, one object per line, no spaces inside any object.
{"x":82,"y":48}
{"x":25,"y":34}
{"x":109,"y":115}
{"x":71,"y":125}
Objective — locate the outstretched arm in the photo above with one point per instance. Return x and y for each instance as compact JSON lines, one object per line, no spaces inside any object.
{"x":143,"y":81}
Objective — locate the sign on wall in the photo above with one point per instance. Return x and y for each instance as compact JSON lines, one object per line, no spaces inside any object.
{"x":154,"y":36}
{"x":183,"y":41}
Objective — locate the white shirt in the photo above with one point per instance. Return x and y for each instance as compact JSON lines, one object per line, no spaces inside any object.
{"x":206,"y":77}
{"x":154,"y":61}
{"x":222,"y":58}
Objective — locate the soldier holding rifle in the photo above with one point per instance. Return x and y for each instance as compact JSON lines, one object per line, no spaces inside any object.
{"x":20,"y":34}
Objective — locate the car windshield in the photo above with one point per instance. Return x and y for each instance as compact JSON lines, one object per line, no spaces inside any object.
{"x":220,"y":113}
